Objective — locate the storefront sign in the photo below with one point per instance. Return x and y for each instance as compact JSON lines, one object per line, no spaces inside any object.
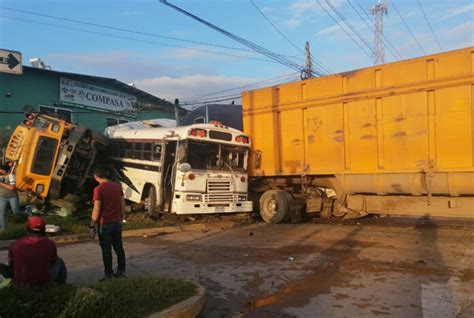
{"x":94,"y":96}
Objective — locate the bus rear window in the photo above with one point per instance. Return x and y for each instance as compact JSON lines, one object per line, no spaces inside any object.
{"x":44,"y":156}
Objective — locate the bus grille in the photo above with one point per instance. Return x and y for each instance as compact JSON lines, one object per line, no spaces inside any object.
{"x":220,"y":198}
{"x":219,"y":186}
{"x":220,"y":191}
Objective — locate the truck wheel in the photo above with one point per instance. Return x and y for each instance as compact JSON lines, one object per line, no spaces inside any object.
{"x":274,"y":206}
{"x":150,"y":201}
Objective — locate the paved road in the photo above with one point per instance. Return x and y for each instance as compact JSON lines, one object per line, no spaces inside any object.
{"x":308,"y":270}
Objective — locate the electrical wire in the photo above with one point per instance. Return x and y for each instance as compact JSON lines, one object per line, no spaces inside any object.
{"x":408,"y":27}
{"x":343,"y":29}
{"x":137,"y":40}
{"x":214,"y":99}
{"x":253,"y":46}
{"x":103,"y":26}
{"x":429,"y":24}
{"x":391,"y":48}
{"x":243,"y":86}
{"x":322,"y":68}
{"x":350,"y":26}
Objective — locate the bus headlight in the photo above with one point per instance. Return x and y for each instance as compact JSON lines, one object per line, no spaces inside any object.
{"x":193,"y":197}
{"x":242,"y":197}
{"x":39,"y":188}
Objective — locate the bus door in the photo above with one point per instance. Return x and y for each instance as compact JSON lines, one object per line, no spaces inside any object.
{"x":167,"y":174}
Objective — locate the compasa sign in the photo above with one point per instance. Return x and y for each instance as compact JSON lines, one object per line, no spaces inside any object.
{"x":71,"y":91}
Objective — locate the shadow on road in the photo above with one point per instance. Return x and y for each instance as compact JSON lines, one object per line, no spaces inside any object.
{"x":319,"y":280}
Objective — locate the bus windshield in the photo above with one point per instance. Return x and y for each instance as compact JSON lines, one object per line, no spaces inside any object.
{"x":214,"y":156}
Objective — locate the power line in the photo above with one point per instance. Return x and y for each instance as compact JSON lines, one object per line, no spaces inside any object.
{"x":243,"y":86}
{"x":349,"y":25}
{"x":207,"y":100}
{"x":429,"y":24}
{"x":103,"y":26}
{"x":392,"y":49}
{"x":253,"y":46}
{"x":137,"y":40}
{"x":320,"y":65}
{"x":231,"y":91}
{"x":408,"y":28}
{"x":345,"y":31}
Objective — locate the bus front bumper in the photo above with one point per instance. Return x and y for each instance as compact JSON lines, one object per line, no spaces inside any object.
{"x":208,"y":208}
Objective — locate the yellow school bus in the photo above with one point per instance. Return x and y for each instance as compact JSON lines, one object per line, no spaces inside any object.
{"x":52,"y":157}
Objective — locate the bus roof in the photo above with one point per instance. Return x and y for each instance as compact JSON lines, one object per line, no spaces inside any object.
{"x":181,"y":132}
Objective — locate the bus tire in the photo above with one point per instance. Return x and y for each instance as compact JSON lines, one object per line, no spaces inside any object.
{"x":150,"y":200}
{"x":274,"y":206}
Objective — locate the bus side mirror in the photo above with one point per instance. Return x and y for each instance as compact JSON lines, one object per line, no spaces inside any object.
{"x":184,"y":167}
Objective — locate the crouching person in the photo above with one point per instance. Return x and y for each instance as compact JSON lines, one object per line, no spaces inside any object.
{"x":33,"y":259}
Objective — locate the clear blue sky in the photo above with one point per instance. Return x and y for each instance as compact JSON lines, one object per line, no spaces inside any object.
{"x":171,"y":72}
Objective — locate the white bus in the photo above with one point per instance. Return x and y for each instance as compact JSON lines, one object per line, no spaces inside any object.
{"x":194,"y":169}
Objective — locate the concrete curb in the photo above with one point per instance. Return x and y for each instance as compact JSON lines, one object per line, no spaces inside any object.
{"x":148,"y":232}
{"x":188,"y":308}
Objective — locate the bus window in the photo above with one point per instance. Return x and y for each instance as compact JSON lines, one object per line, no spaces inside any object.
{"x":157,"y":152}
{"x":216,"y":156}
{"x":147,"y":151}
{"x":129,"y":150}
{"x":137,"y":153}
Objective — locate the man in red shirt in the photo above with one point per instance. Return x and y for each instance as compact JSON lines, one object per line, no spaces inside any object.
{"x":33,"y":259}
{"x":107,"y":216}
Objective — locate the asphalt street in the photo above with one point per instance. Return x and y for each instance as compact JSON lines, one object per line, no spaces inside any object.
{"x":308,"y":270}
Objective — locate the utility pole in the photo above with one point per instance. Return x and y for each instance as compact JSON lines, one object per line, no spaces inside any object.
{"x":378,"y":10}
{"x":308,"y":71}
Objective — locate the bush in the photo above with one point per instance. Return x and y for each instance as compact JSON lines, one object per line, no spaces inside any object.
{"x":125,"y":297}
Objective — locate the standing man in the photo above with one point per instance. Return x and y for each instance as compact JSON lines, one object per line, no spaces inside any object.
{"x":8,"y":195}
{"x":106,"y":220}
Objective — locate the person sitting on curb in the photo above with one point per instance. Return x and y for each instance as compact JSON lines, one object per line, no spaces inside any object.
{"x":8,"y":195}
{"x":33,"y":259}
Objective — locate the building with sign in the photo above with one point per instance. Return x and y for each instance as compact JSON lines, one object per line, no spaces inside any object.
{"x":90,"y":101}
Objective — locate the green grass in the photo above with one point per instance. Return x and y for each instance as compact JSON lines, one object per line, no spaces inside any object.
{"x":128,"y":297}
{"x":76,"y":224}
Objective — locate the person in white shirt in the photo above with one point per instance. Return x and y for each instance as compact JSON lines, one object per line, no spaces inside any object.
{"x":8,"y":195}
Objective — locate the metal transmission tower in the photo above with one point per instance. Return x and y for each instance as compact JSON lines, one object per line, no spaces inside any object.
{"x":378,"y":10}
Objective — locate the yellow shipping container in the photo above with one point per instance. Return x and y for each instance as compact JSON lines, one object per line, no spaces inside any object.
{"x":375,"y":134}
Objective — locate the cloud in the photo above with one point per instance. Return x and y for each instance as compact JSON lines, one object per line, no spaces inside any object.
{"x":128,"y":12}
{"x":458,"y":11}
{"x":189,"y":85}
{"x":329,"y":30}
{"x":461,"y":35}
{"x":292,"y":23}
{"x":306,"y":10}
{"x":123,"y":65}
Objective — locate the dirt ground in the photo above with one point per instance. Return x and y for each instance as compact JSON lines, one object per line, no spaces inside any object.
{"x":361,"y":268}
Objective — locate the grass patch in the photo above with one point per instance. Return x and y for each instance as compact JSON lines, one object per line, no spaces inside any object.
{"x":76,"y":224}
{"x":128,"y":297}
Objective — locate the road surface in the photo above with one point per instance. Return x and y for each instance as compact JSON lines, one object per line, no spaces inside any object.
{"x":362,"y":269}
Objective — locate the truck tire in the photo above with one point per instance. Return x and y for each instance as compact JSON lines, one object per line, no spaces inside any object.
{"x":150,"y":201}
{"x":274,"y":206}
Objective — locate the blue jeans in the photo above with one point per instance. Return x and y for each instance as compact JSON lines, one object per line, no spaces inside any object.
{"x":110,"y":235}
{"x":15,"y":206}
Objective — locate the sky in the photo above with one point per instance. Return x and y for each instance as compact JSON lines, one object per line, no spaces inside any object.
{"x":170,"y":55}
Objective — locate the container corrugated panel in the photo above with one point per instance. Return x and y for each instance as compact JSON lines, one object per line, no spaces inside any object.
{"x":404,"y":117}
